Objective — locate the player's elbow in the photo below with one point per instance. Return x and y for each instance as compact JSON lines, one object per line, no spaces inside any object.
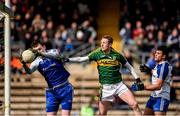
{"x":158,"y":87}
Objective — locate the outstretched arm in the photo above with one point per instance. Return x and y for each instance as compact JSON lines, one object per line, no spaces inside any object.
{"x":152,"y":87}
{"x":49,"y":55}
{"x":138,"y":85}
{"x":54,"y":53}
{"x":79,"y":59}
{"x":131,"y":69}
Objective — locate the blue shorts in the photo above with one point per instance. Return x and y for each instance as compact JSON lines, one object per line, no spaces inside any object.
{"x":158,"y":104}
{"x":60,"y":95}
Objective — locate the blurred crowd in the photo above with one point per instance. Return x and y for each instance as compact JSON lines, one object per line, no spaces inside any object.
{"x":147,"y":24}
{"x":61,"y":24}
{"x":69,"y":24}
{"x":64,"y":27}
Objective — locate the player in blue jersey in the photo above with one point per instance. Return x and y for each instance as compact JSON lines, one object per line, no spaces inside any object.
{"x":59,"y":91}
{"x":161,"y":77}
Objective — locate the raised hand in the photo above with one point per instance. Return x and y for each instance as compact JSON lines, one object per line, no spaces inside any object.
{"x":144,"y":68}
{"x":138,"y":85}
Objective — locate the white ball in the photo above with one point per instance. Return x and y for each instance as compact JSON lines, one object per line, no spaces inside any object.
{"x":28,"y":56}
{"x":79,"y":34}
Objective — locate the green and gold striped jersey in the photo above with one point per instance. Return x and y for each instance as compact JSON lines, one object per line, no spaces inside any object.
{"x":108,"y":65}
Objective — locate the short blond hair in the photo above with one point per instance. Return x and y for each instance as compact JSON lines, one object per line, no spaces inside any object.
{"x":108,"y":37}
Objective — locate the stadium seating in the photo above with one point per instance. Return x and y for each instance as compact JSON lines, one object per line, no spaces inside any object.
{"x":28,"y":98}
{"x":28,"y":92}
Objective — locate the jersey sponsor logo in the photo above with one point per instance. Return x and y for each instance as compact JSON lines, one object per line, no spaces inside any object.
{"x":154,"y":72}
{"x":108,"y":62}
{"x":44,"y":69}
{"x":154,"y":76}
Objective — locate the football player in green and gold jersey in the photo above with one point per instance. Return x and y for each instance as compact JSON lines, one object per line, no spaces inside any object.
{"x":109,"y":63}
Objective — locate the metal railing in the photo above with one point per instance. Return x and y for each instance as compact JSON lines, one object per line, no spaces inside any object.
{"x":83,"y":49}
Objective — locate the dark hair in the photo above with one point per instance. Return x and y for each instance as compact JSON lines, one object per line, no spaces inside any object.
{"x":109,"y":38}
{"x":35,"y":43}
{"x":164,"y":50}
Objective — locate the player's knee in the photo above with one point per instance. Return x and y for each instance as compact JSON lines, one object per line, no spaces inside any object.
{"x":134,"y":105}
{"x":102,"y":112}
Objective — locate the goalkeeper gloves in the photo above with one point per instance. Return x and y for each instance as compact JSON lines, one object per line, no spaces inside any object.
{"x":138,"y":85}
{"x":144,"y":68}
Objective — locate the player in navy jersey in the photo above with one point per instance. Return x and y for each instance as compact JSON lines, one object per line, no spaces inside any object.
{"x":59,"y":91}
{"x":161,"y":77}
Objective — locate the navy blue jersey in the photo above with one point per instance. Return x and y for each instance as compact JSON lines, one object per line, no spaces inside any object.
{"x":52,"y":69}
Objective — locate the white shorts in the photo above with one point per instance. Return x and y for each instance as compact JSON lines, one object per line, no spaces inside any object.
{"x":108,"y":91}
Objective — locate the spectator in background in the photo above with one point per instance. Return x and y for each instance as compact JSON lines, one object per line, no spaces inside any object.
{"x":68,"y":45}
{"x":38,"y":23}
{"x":63,"y":31}
{"x":138,"y":35}
{"x":58,"y":43}
{"x":150,"y":42}
{"x":88,"y":110}
{"x":28,"y":18}
{"x":16,"y":65}
{"x":91,"y":107}
{"x":50,"y":29}
{"x":46,"y":40}
{"x":165,"y":27}
{"x":28,"y":40}
{"x":176,"y":67}
{"x":138,"y":31}
{"x":173,"y":41}
{"x":125,"y":33}
{"x":34,"y":17}
{"x":161,"y":39}
{"x":155,"y":19}
{"x":176,"y":71}
{"x":89,"y":32}
{"x":93,"y":22}
{"x":72,"y":31}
